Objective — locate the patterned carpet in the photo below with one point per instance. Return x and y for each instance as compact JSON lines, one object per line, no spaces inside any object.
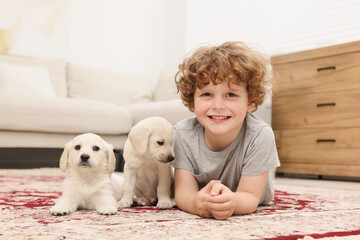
{"x":296,"y":213}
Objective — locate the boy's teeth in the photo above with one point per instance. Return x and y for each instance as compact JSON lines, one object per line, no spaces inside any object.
{"x":218,"y":118}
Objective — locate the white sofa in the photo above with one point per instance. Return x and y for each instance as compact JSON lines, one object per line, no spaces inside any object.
{"x":45,"y":103}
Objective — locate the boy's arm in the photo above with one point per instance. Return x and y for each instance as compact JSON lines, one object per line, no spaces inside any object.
{"x":249,"y":191}
{"x":223,"y":203}
{"x":187,"y":195}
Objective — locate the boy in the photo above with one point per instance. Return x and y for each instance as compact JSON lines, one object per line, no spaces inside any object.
{"x":225,"y":153}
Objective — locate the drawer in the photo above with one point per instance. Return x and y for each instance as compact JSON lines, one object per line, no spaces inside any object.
{"x":320,"y":146}
{"x":340,"y":72}
{"x":336,"y":109}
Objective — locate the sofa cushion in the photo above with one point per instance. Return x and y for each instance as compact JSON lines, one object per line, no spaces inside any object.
{"x":165,"y":86}
{"x":172,"y":110}
{"x":118,"y":88}
{"x":62,"y":115}
{"x":25,"y":81}
{"x":55,"y":67}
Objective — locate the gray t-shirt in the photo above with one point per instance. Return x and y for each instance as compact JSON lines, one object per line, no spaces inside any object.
{"x":251,"y":153}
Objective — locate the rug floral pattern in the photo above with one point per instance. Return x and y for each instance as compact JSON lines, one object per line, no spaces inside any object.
{"x":319,"y":213}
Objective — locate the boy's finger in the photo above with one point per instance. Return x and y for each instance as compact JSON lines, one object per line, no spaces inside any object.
{"x":221,"y":215}
{"x":214,"y":206}
{"x":216,"y":189}
{"x":209,"y":186}
{"x":221,"y":198}
{"x":206,"y":214}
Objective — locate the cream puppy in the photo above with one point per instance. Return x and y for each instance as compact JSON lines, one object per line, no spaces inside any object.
{"x":147,"y":173}
{"x":89,"y":163}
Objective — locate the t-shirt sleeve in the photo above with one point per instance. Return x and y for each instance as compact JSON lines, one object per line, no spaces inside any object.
{"x":261,"y":154}
{"x":181,"y":151}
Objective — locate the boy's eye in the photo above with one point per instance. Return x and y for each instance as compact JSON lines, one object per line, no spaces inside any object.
{"x":96,"y":148}
{"x":206,"y":94}
{"x":231,"y":95}
{"x":77,"y":147}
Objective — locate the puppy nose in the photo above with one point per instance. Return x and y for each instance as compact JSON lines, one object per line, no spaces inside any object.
{"x":84,"y":157}
{"x":170,"y":158}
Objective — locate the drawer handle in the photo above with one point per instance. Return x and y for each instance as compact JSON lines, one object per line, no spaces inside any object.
{"x":325,"y":140}
{"x":326,"y":68}
{"x":325,"y":104}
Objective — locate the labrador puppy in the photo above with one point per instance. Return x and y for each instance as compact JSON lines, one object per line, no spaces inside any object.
{"x":89,"y":163}
{"x":147,"y":153}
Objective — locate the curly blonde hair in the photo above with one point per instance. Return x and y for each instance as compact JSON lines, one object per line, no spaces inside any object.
{"x":233,"y":62}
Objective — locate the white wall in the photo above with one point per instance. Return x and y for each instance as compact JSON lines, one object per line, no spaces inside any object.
{"x":275,"y":27}
{"x":127,"y":36}
{"x":35,"y":28}
{"x":175,"y":33}
{"x":136,"y":37}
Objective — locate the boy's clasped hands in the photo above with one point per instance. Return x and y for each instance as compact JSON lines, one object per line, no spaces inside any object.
{"x":215,"y":200}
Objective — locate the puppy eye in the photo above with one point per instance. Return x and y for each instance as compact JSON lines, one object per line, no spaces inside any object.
{"x":77,"y":147}
{"x":160,"y":142}
{"x":96,"y":148}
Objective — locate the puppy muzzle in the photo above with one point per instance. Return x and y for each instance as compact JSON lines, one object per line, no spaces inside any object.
{"x":84,"y":160}
{"x":166,"y":159}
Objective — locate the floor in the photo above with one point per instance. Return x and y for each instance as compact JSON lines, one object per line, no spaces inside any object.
{"x":353,"y":184}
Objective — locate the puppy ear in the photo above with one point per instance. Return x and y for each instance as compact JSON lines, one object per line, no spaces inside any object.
{"x":139,"y":137}
{"x":64,"y":157}
{"x":111,"y":158}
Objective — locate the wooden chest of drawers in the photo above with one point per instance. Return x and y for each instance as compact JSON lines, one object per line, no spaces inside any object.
{"x":316,"y":111}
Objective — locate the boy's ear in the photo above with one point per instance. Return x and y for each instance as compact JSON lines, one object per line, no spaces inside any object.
{"x":250,"y":107}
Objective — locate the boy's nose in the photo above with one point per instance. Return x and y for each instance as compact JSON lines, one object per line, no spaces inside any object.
{"x":218,"y":103}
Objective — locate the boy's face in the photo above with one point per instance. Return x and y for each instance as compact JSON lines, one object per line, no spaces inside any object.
{"x":221,"y":109}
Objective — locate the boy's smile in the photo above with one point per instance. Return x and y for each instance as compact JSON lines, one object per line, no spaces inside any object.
{"x":221,"y":109}
{"x":219,"y":117}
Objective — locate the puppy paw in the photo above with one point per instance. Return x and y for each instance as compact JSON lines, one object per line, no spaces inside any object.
{"x":164,"y":204}
{"x":60,"y":210}
{"x":142,"y":201}
{"x":124,"y":203}
{"x":107,"y":210}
